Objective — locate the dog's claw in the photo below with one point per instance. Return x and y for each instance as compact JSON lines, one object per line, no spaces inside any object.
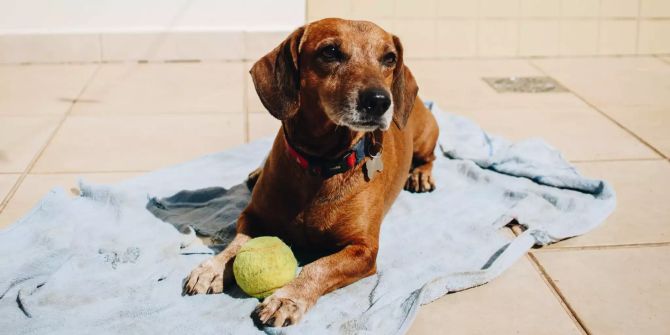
{"x":276,"y":311}
{"x":207,"y":278}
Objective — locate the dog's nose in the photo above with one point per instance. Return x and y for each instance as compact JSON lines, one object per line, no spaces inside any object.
{"x":374,"y":101}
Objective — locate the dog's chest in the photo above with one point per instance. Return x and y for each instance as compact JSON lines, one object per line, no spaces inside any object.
{"x":320,"y":214}
{"x":317,"y":224}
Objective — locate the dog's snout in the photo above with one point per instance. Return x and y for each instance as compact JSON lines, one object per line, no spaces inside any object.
{"x":374,"y":101}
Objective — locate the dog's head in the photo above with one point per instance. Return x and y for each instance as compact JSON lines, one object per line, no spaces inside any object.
{"x":352,"y":72}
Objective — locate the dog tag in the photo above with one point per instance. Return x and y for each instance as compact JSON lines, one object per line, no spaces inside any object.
{"x":374,"y":166}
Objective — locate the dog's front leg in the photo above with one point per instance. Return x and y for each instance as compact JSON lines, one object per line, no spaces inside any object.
{"x":288,"y":304}
{"x":213,"y":274}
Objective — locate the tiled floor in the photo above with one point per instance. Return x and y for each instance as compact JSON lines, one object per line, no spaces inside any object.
{"x":105,"y":123}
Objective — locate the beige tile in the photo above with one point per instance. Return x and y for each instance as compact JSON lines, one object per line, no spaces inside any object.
{"x":655,"y":8}
{"x":501,"y":305}
{"x":457,"y":85}
{"x":579,"y":133}
{"x":650,"y":124}
{"x":578,"y":37}
{"x":177,"y":45}
{"x":6,"y":183}
{"x":386,"y":24}
{"x":580,"y":8}
{"x":498,"y":8}
{"x":259,"y":43}
{"x":224,"y":15}
{"x":373,"y":9}
{"x":457,"y":38}
{"x":417,"y":36}
{"x":262,"y":125}
{"x":132,"y":143}
{"x":633,"y":91}
{"x":654,"y":37}
{"x":164,"y":88}
{"x":319,"y":9}
{"x":416,"y":8}
{"x":641,"y":215}
{"x":538,"y":37}
{"x":564,"y":120}
{"x":21,"y":139}
{"x":619,"y":8}
{"x":615,"y":291}
{"x":457,"y":8}
{"x":617,"y":37}
{"x":635,"y":82}
{"x":35,"y":187}
{"x":49,"y":48}
{"x":540,"y":8}
{"x":498,"y":38}
{"x":41,"y":89}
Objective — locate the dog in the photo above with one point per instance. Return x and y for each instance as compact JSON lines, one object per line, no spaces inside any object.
{"x":353,"y":135}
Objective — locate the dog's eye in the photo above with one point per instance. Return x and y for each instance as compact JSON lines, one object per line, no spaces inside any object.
{"x":389,"y":59}
{"x":331,"y":53}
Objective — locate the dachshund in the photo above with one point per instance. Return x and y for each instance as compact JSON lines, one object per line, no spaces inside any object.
{"x":353,"y":135}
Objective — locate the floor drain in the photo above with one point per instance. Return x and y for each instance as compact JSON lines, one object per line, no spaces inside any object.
{"x":524,"y":84}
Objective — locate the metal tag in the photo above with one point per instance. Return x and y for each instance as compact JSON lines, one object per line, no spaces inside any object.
{"x":374,"y":166}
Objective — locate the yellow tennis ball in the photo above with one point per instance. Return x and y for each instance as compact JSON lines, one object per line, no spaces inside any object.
{"x":263,"y":265}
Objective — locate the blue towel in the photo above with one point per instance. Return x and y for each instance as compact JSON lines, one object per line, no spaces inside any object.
{"x":113,"y":259}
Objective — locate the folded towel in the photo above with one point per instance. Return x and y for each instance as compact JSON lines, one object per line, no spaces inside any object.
{"x":107,"y":262}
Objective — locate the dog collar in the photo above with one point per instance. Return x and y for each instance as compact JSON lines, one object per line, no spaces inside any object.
{"x":327,"y":168}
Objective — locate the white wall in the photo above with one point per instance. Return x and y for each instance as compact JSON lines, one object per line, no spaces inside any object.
{"x":67,"y":16}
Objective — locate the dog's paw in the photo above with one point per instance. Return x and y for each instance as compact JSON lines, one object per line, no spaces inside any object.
{"x":280,"y":311}
{"x":208,"y":277}
{"x":420,"y":180}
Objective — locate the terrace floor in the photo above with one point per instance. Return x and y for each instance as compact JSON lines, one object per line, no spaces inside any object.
{"x":108,"y":122}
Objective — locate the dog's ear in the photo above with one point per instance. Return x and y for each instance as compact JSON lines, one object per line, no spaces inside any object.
{"x":404,"y":88}
{"x":277,"y":79}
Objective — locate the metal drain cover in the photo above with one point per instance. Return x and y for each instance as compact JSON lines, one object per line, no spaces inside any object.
{"x":524,"y":84}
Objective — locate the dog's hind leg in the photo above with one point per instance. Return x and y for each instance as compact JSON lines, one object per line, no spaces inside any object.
{"x":425,"y":133}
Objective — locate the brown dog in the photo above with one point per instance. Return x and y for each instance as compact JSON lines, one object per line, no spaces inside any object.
{"x":344,"y":96}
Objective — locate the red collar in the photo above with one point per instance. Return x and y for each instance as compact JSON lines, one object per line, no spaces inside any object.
{"x":327,"y":168}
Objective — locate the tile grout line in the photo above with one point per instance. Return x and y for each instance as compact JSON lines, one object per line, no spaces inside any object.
{"x":517,"y":19}
{"x":637,"y":26}
{"x":605,"y":160}
{"x":562,"y":299}
{"x":601,"y":112}
{"x":517,"y":230}
{"x":39,"y":153}
{"x":604,"y":247}
{"x":552,"y":285}
{"x":662,"y":59}
{"x":6,"y":196}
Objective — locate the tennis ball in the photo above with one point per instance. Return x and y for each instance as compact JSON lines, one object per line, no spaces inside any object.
{"x":263,"y":265}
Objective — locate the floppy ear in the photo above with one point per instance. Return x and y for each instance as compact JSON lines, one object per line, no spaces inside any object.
{"x":277,"y":79}
{"x":404,"y":88}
